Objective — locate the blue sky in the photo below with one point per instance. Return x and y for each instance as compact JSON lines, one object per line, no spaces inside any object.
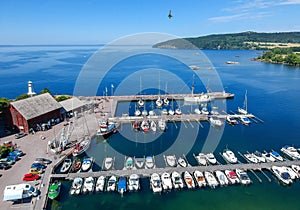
{"x":101,"y":21}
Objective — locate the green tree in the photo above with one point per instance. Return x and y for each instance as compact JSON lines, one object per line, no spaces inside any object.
{"x":62,"y":98}
{"x":23,"y":96}
{"x":4,"y":103}
{"x":46,"y":90}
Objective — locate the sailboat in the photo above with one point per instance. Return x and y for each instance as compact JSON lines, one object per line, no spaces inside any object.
{"x":140,"y":101}
{"x":171,"y":110}
{"x":166,"y":101}
{"x":152,"y":112}
{"x":159,"y":101}
{"x":244,"y":110}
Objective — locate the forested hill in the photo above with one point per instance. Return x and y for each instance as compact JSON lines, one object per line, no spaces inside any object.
{"x":245,"y":40}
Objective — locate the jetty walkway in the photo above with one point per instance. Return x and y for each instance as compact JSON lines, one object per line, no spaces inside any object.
{"x":148,"y":172}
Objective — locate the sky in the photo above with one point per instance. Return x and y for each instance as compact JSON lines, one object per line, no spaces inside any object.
{"x":25,"y":22}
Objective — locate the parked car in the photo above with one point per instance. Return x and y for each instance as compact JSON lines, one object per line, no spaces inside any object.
{"x":4,"y":166}
{"x":20,"y":135}
{"x":31,"y":177}
{"x":7,"y":144}
{"x":16,"y":152}
{"x":38,"y":165}
{"x":36,"y":171}
{"x":42,"y":161}
{"x":9,"y":161}
{"x":12,"y":158}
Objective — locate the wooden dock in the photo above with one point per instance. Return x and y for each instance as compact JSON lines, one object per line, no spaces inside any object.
{"x":148,"y":172}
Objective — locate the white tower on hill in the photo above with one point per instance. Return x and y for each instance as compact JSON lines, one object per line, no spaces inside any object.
{"x":30,"y":89}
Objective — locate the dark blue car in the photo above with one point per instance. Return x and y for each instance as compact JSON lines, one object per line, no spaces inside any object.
{"x":16,"y":152}
{"x":38,"y":166}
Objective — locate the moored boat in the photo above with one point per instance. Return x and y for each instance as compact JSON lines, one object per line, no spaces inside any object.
{"x":221,"y":178}
{"x":177,"y":180}
{"x":66,"y":165}
{"x":232,"y":176}
{"x":245,"y":120}
{"x":81,"y":147}
{"x":136,"y":125}
{"x":291,"y":152}
{"x":251,"y":158}
{"x":76,"y":186}
{"x":100,"y":184}
{"x":201,"y":159}
{"x":129,"y":163}
{"x":231,"y":120}
{"x":229,"y":156}
{"x":155,"y":183}
{"x":111,"y":183}
{"x":282,"y":175}
{"x":268,"y":156}
{"x":133,"y":182}
{"x":145,"y":126}
{"x":166,"y":181}
{"x":211,"y":179}
{"x":171,"y":160}
{"x":108,"y":163}
{"x":150,"y":162}
{"x":153,"y":126}
{"x":188,"y":180}
{"x":122,"y":185}
{"x":296,"y":168}
{"x":139,"y":162}
{"x":243,"y":176}
{"x":76,"y":165}
{"x":88,"y":185}
{"x":54,"y":190}
{"x":210,"y":157}
{"x":258,"y":155}
{"x":87,"y":164}
{"x":276,"y":155}
{"x":182,"y":162}
{"x":199,"y":177}
{"x":106,"y":128}
{"x":178,"y":111}
{"x":162,"y":125}
{"x":214,"y":121}
{"x":293,"y":174}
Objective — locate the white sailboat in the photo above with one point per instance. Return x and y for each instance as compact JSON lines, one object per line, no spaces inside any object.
{"x":244,"y":110}
{"x":140,"y":101}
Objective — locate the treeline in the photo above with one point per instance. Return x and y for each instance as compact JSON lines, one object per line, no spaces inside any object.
{"x":231,"y":41}
{"x":289,"y":56}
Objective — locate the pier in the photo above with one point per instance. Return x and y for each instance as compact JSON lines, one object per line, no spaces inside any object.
{"x":191,"y":169}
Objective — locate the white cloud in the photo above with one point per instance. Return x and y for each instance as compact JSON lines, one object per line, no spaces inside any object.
{"x":290,"y":2}
{"x":228,"y":18}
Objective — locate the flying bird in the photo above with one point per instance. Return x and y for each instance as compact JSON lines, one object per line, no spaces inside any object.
{"x":170,"y":14}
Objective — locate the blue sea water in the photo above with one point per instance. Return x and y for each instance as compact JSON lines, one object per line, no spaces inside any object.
{"x":273,"y":95}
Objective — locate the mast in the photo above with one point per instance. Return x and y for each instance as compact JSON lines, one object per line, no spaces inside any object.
{"x":193,"y":86}
{"x":246,"y":102}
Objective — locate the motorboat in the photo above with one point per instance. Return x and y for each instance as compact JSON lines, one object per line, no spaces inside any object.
{"x":159,"y":102}
{"x":81,"y":147}
{"x":178,"y":111}
{"x":251,"y":158}
{"x":166,"y":101}
{"x":171,"y":160}
{"x":231,"y":120}
{"x":293,"y":174}
{"x":66,"y":165}
{"x":106,"y":128}
{"x":76,"y":165}
{"x":88,"y":185}
{"x":100,"y":184}
{"x":139,"y":162}
{"x":87,"y":164}
{"x":144,"y":113}
{"x":214,"y":121}
{"x":122,"y":185}
{"x":162,"y":125}
{"x":232,"y":177}
{"x":171,"y":111}
{"x":211,"y":179}
{"x":229,"y":156}
{"x":141,"y":102}
{"x":201,"y":159}
{"x":210,"y":158}
{"x":221,"y":178}
{"x":129,"y":163}
{"x":276,"y":155}
{"x":155,"y":183}
{"x":268,"y":156}
{"x":108,"y":163}
{"x":258,"y":155}
{"x":153,"y":125}
{"x":202,"y":98}
{"x":199,"y":177}
{"x":136,"y":125}
{"x":137,"y":112}
{"x":149,"y":162}
{"x":177,"y":180}
{"x":76,"y":186}
{"x":134,"y":182}
{"x":214,"y":111}
{"x":111,"y":183}
{"x":282,"y":175}
{"x":243,"y":176}
{"x":188,"y":180}
{"x":166,"y":181}
{"x":54,"y":190}
{"x":197,"y":111}
{"x":164,"y":111}
{"x":291,"y":152}
{"x":145,"y":126}
{"x":205,"y":111}
{"x":242,"y":111}
{"x":245,"y":120}
{"x":182,"y":162}
{"x":296,"y":168}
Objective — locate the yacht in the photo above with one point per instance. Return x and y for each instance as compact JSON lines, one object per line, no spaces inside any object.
{"x":159,"y":102}
{"x":231,"y":120}
{"x":66,"y":165}
{"x":243,"y":176}
{"x":150,"y":162}
{"x":155,"y":183}
{"x":201,"y":159}
{"x":164,"y":111}
{"x":153,"y":126}
{"x":166,"y":101}
{"x":293,"y":174}
{"x":87,"y":164}
{"x":88,"y":185}
{"x":182,"y":162}
{"x":122,"y":185}
{"x":136,"y":125}
{"x":177,"y":180}
{"x":137,"y":112}
{"x":290,"y":152}
{"x":202,"y":98}
{"x":199,"y":177}
{"x":221,"y":178}
{"x":139,"y":162}
{"x":258,"y":155}
{"x":188,"y":180}
{"x":232,"y":177}
{"x":166,"y":181}
{"x":106,"y":128}
{"x":81,"y":147}
{"x":276,"y":156}
{"x":250,"y":158}
{"x":245,"y":120}
{"x":145,"y":126}
{"x":282,"y":175}
{"x":134,"y":182}
{"x":229,"y":156}
{"x":111,"y":183}
{"x":214,"y":111}
{"x":210,"y":157}
{"x":129,"y":163}
{"x":211,"y":179}
{"x":214,"y":121}
{"x":100,"y":184}
{"x":162,"y":125}
{"x":171,"y":160}
{"x":141,"y":102}
{"x":178,"y":111}
{"x":296,"y":168}
{"x":197,"y":111}
{"x":171,"y":111}
{"x":76,"y":186}
{"x":144,"y":112}
{"x":108,"y":163}
{"x":205,"y":111}
{"x":268,"y":156}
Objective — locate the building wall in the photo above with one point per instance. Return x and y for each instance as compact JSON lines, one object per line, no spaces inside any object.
{"x":18,"y":120}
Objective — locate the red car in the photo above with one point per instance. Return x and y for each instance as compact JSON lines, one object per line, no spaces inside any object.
{"x":31,"y":177}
